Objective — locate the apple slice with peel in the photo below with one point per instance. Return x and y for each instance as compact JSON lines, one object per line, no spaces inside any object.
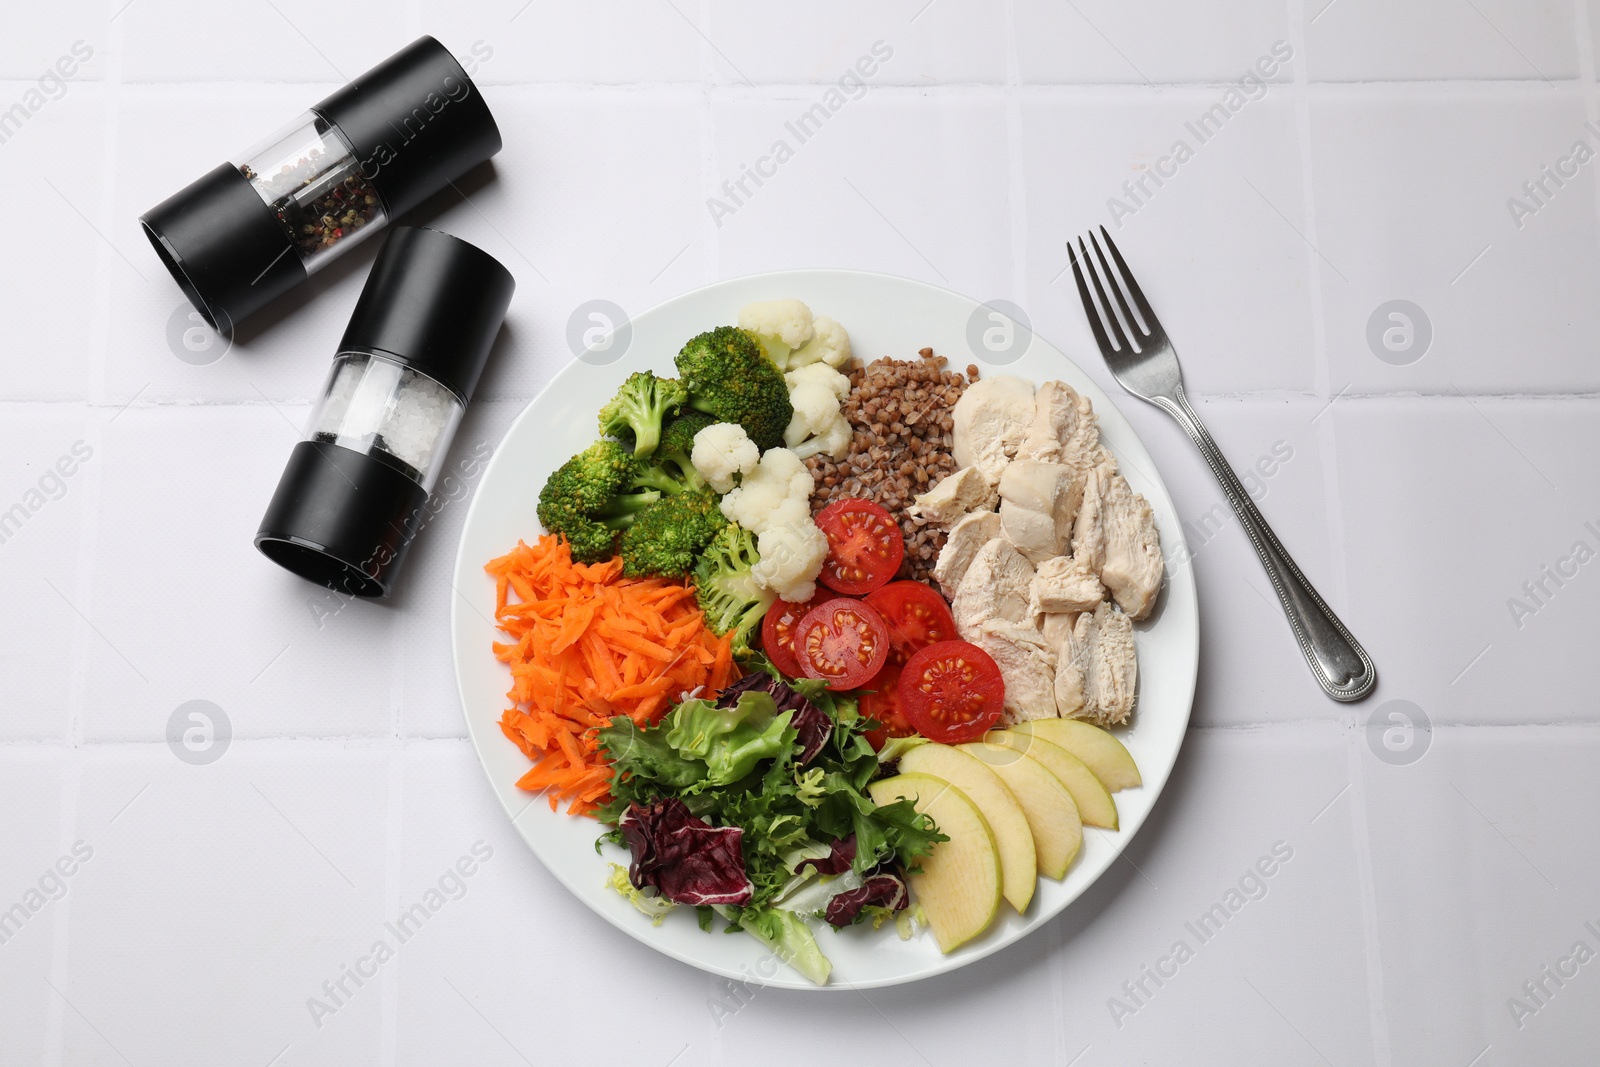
{"x":1094,"y":803}
{"x":1019,"y":872}
{"x":959,"y":884}
{"x":1051,"y":814}
{"x":1099,"y":750}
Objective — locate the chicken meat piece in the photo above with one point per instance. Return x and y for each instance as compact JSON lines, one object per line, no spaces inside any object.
{"x":1080,"y":446}
{"x":1027,"y":665}
{"x":1062,"y":584}
{"x":958,"y":494}
{"x":970,"y":533}
{"x":1100,"y":665}
{"x":1129,"y":554}
{"x":990,"y":421}
{"x":995,"y":587}
{"x":1055,"y":420}
{"x":1088,"y":530}
{"x":1038,"y":502}
{"x":1057,"y":630}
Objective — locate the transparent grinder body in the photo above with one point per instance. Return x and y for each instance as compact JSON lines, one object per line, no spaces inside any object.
{"x":379,"y":407}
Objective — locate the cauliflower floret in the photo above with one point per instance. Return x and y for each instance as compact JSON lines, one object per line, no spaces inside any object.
{"x":791,"y":559}
{"x":831,"y":345}
{"x":817,"y":426}
{"x":722,"y":452}
{"x":776,"y":493}
{"x":781,"y":325}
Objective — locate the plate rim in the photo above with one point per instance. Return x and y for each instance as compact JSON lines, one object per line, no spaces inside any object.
{"x":640,"y":931}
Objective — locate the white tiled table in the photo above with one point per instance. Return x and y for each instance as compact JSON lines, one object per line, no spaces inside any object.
{"x":1376,"y":165}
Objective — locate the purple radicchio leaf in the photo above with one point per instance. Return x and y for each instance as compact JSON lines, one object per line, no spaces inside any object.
{"x":884,"y":888}
{"x":837,"y":861}
{"x":686,"y":859}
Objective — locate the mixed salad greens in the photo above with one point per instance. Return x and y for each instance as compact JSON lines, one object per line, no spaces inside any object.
{"x":754,"y":807}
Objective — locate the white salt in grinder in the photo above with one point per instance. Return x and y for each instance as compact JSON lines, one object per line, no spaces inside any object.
{"x":353,"y":496}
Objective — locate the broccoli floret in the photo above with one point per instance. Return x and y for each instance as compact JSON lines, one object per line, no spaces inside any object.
{"x":728,"y":594}
{"x":591,"y":496}
{"x":677,"y":446}
{"x":728,"y":377}
{"x":636,"y":413}
{"x":666,"y":537}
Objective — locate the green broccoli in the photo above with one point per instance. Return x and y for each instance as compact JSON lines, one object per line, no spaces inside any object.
{"x":666,"y":537}
{"x":727,"y":591}
{"x":728,"y":377}
{"x":636,"y":413}
{"x":591,"y":496}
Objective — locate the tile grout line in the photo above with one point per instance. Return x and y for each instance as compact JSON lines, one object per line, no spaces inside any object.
{"x":1584,"y":31}
{"x":393,"y":857}
{"x":1017,"y":182}
{"x":71,"y":787}
{"x":1377,"y":1019}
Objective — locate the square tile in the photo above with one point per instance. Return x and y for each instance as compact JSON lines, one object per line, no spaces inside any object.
{"x":1456,"y":517}
{"x":1409,"y":206}
{"x":853,"y":191}
{"x":1481,"y":873}
{"x":180,"y":590}
{"x":1216,"y":243}
{"x":36,"y":901}
{"x":1096,"y":41}
{"x":1368,"y":40}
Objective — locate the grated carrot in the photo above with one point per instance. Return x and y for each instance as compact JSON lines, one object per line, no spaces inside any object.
{"x":584,"y":645}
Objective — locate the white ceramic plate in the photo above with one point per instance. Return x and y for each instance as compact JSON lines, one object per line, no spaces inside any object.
{"x":885,"y":316}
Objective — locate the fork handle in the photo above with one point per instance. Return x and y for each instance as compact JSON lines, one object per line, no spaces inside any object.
{"x":1341,"y":666}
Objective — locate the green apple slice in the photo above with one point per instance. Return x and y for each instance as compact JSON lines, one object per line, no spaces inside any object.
{"x":1094,"y":803}
{"x":1051,"y":814}
{"x":1099,"y":750}
{"x":1019,"y":872}
{"x":959,"y":884}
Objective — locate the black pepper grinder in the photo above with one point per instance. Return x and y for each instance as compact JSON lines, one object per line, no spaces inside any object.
{"x":253,"y":229}
{"x":352,"y":497}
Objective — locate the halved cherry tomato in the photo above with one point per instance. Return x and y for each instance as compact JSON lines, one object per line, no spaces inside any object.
{"x":842,"y":641}
{"x":952,"y":692}
{"x":865,"y":546}
{"x":777,"y":632}
{"x":880,"y":701}
{"x":917,"y":616}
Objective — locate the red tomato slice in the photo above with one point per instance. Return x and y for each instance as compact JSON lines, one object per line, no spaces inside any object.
{"x":917,"y":616}
{"x":882,"y":704}
{"x":865,"y":546}
{"x":777,"y":633}
{"x":952,"y":692}
{"x":842,"y":641}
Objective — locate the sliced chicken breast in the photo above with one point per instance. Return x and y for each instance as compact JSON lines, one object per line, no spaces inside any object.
{"x":1131,"y":566}
{"x":990,"y":421}
{"x":1102,"y":668}
{"x":958,"y":494}
{"x":995,"y":587}
{"x":970,"y":533}
{"x":1062,"y":584}
{"x":1055,"y":419}
{"x":1026,"y":664}
{"x":1038,"y":502}
{"x":1088,"y":530}
{"x":1057,"y":630}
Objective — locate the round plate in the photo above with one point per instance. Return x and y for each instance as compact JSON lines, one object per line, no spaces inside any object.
{"x":885,"y":315}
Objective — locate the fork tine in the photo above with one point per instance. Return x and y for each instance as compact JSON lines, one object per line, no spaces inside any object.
{"x":1115,"y":327}
{"x":1116,"y":290}
{"x":1089,"y":310}
{"x":1151,"y":324}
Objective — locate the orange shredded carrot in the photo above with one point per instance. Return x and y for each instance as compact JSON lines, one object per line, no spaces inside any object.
{"x":584,"y":645}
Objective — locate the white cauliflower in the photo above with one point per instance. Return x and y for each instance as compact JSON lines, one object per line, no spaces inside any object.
{"x":722,"y":452}
{"x":791,"y":559}
{"x":830,"y":345}
{"x":817,"y":425}
{"x":776,"y":493}
{"x":781,"y":325}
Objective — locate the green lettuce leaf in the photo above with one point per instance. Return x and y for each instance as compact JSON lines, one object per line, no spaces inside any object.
{"x":730,"y":741}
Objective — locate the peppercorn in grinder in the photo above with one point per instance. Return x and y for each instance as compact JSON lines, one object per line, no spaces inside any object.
{"x":251,"y":230}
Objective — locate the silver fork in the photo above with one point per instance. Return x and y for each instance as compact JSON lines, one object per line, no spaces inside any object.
{"x":1144,"y":363}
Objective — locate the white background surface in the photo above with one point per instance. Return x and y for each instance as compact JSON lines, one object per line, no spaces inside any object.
{"x":1420,"y":498}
